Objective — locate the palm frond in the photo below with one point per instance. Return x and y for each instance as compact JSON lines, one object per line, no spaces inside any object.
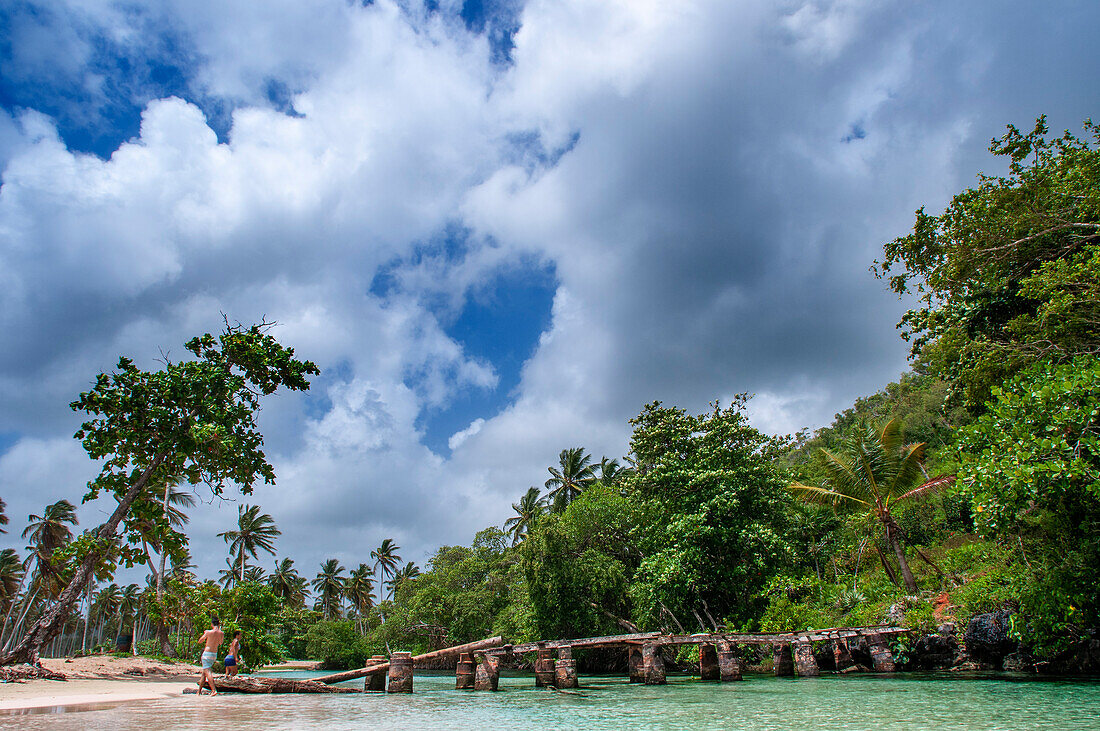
{"x":931,"y":487}
{"x":822,"y":495}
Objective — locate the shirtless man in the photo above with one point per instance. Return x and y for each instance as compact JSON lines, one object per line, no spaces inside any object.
{"x":212,"y":639}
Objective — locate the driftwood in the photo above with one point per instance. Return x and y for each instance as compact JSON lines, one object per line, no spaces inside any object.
{"x":253,"y":684}
{"x":25,"y":671}
{"x":434,"y":655}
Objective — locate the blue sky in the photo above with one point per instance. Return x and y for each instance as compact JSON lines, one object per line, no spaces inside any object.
{"x":500,"y":227}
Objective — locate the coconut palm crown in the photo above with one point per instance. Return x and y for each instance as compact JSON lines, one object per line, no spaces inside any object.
{"x":255,"y":531}
{"x":570,"y":478}
{"x":529,"y":508}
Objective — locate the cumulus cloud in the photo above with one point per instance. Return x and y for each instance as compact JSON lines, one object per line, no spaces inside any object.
{"x":708,"y":181}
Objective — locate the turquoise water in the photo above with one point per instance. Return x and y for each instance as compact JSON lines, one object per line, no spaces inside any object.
{"x":902,"y":702}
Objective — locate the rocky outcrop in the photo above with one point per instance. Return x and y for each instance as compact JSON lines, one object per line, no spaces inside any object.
{"x":935,"y":651}
{"x":987,"y":639}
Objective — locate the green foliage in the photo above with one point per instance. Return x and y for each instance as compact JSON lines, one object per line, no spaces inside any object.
{"x":254,"y":609}
{"x":717,"y":514}
{"x":292,"y":625}
{"x":1010,"y":273}
{"x":577,"y":565}
{"x":337,"y":644}
{"x":1031,"y":466}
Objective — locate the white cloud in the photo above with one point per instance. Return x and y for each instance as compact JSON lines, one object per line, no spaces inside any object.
{"x":708,"y":224}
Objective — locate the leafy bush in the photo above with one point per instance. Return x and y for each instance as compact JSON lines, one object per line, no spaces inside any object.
{"x":337,"y":644}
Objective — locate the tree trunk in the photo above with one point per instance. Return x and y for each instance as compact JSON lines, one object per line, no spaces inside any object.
{"x":53,"y":618}
{"x":899,"y":551}
{"x":87,"y":616}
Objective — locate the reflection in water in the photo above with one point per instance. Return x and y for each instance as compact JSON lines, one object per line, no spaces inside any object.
{"x":900,"y":703}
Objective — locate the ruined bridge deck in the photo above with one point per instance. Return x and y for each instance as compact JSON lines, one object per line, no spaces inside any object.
{"x":703,"y":638}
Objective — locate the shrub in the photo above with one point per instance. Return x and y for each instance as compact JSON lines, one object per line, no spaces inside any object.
{"x":337,"y":644}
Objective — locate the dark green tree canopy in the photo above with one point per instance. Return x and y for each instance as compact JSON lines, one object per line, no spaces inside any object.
{"x":1010,"y":272}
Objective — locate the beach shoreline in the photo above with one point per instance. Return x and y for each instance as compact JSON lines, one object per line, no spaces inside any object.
{"x":99,"y":679}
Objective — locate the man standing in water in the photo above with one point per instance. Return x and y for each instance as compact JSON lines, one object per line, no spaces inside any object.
{"x":212,"y":639}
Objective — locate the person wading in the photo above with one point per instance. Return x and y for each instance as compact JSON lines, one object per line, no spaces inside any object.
{"x":233,"y":657}
{"x":211,"y":639}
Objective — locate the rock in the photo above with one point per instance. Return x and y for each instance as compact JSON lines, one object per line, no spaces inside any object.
{"x":896,"y":614}
{"x":947,"y":629}
{"x":971,"y":666}
{"x":932,"y":652}
{"x":987,"y":639}
{"x":1017,"y":662}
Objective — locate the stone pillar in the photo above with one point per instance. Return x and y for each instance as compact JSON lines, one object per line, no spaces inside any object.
{"x":729,"y":666}
{"x":401,"y":673}
{"x":375,"y":681}
{"x":842,"y":656}
{"x":782,"y":662}
{"x":544,"y":668}
{"x":653,"y":665}
{"x":487,"y":675}
{"x":881,"y":657}
{"x":804,"y":662}
{"x":464,"y":672}
{"x":565,"y":673}
{"x":708,"y":663}
{"x":634,"y":660}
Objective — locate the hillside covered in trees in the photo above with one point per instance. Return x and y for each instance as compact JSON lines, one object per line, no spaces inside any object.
{"x":969,"y":486}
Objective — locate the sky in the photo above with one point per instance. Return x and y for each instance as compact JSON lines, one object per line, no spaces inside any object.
{"x":499,"y":227}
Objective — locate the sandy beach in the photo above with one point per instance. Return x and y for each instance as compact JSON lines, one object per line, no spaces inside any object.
{"x":100,"y":679}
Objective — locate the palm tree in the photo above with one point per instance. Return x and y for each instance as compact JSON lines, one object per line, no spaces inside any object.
{"x":874,"y":473}
{"x":360,"y":590}
{"x":570,"y":478}
{"x":228,"y":576}
{"x":255,"y":530}
{"x":386,"y":558}
{"x":408,"y":572}
{"x":160,"y":514}
{"x":255,"y":574}
{"x":127,"y":607}
{"x":47,"y":533}
{"x":529,"y":508}
{"x":329,"y":586}
{"x":609,"y":472}
{"x":11,"y":578}
{"x":286,"y":584}
{"x":3,"y":515}
{"x":107,"y":601}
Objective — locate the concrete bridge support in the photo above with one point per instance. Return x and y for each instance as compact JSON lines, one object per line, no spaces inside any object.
{"x":842,"y":656}
{"x":487,"y":675}
{"x":782,"y":662}
{"x":565,"y":669}
{"x":464,"y":672}
{"x":708,"y":663}
{"x":634,"y":659}
{"x":804,"y":662}
{"x":881,"y":656}
{"x":377,"y":681}
{"x":544,"y":667}
{"x":729,"y":665}
{"x":653,"y":665}
{"x":401,"y":673}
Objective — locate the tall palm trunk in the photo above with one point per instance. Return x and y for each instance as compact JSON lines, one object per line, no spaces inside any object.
{"x":87,"y":615}
{"x":899,"y":551}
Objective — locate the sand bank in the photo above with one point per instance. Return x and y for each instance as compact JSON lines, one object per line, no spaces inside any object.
{"x":100,"y":679}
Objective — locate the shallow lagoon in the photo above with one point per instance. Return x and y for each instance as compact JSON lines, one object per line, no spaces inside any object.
{"x":900,"y":702}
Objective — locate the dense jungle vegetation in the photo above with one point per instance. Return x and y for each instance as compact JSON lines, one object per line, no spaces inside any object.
{"x":970,"y":484}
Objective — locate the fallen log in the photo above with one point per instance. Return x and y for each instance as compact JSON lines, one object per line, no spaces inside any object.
{"x":434,"y":655}
{"x":252,"y":684}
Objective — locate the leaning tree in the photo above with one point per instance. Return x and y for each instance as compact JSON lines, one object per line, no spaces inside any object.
{"x":193,"y":419}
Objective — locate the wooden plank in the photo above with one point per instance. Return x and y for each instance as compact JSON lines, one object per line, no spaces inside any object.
{"x":434,"y":655}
